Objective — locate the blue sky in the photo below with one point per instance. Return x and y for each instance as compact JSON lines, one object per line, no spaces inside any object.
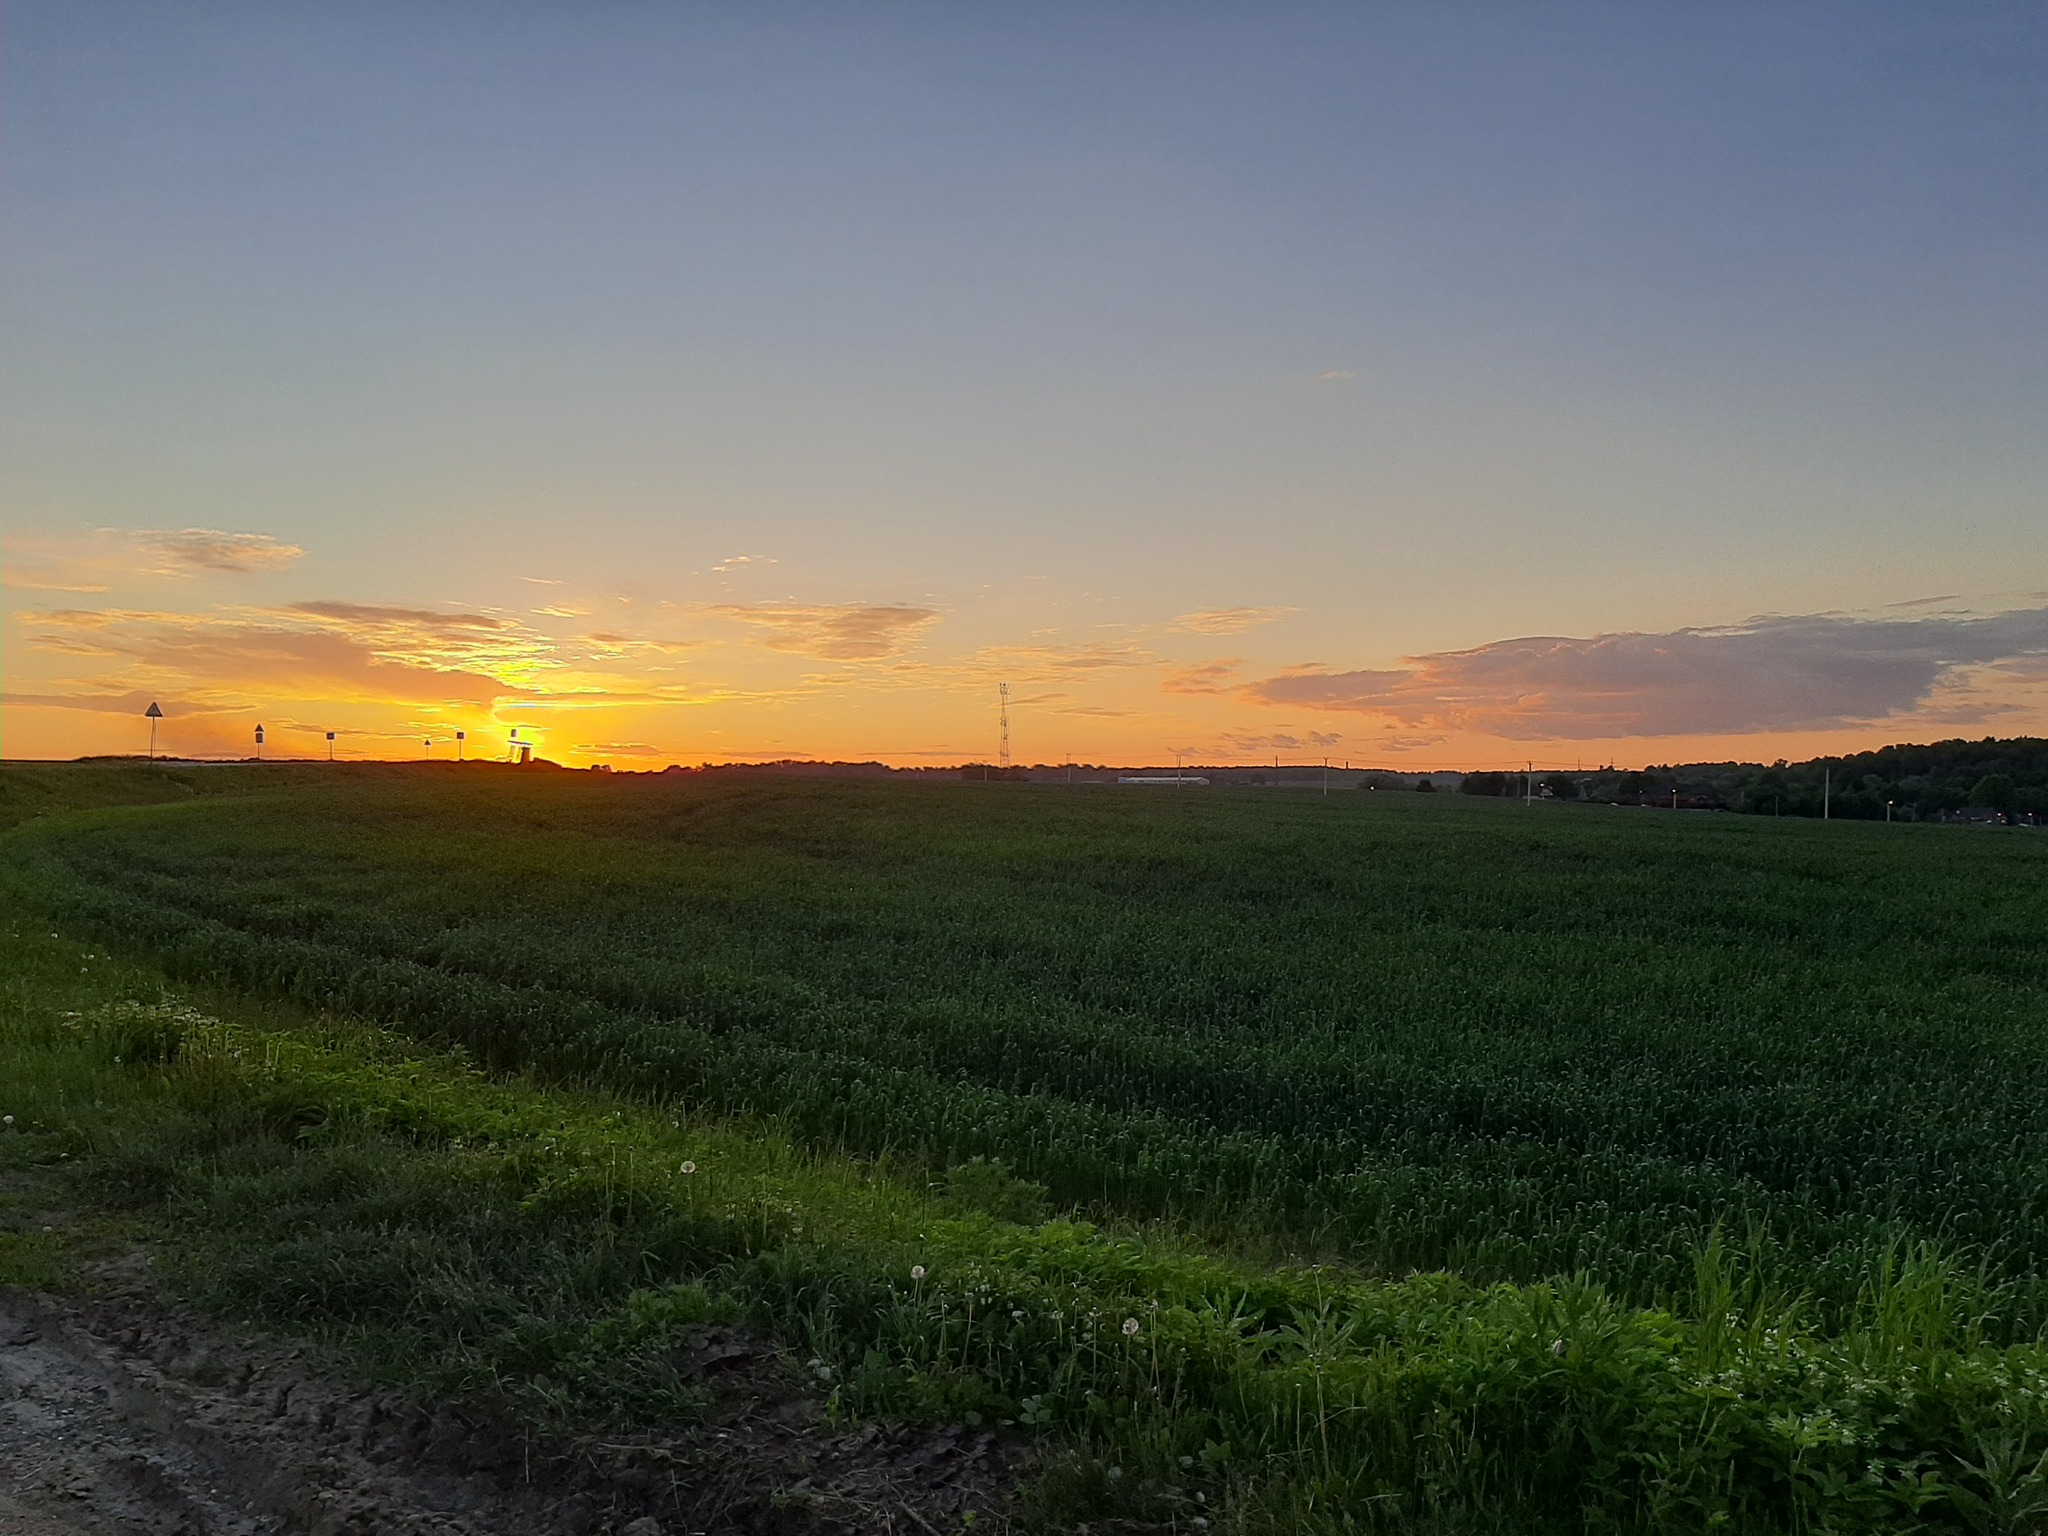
{"x":1411,"y":329}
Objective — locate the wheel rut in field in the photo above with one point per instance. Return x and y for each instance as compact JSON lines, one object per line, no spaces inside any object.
{"x":125,"y":1415}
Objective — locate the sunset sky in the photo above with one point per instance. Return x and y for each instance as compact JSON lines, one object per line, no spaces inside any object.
{"x":1412,"y":384}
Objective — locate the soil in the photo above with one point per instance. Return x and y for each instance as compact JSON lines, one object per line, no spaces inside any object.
{"x":123,"y":1413}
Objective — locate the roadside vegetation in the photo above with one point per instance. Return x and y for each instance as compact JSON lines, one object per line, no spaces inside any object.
{"x":1936,"y":781}
{"x":1415,"y":1165}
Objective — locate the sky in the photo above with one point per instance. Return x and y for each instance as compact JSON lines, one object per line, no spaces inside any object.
{"x":1411,"y":385}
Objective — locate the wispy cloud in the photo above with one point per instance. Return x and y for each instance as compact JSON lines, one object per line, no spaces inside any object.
{"x":1207,"y":677}
{"x":1782,"y":673}
{"x":1057,"y":659}
{"x":621,"y":749}
{"x":189,"y":551}
{"x":1335,"y":376}
{"x":97,"y":561}
{"x":218,"y":660}
{"x":42,"y":575}
{"x":834,"y":631}
{"x":1227,"y":621}
{"x":613,"y":644}
{"x":739,"y":562}
{"x":131,"y":702}
{"x":1246,"y":743}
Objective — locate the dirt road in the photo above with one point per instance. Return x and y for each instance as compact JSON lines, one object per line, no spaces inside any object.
{"x":123,"y":1415}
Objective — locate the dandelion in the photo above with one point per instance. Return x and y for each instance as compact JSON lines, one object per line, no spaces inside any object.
{"x":689,"y":1167}
{"x":1017,"y":1317}
{"x":1130,"y":1327}
{"x":917,"y":1271}
{"x":7,"y":1120}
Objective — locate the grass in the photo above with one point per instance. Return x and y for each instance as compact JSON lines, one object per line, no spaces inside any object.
{"x":415,"y":1065}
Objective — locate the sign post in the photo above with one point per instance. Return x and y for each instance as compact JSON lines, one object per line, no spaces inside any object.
{"x":152,"y":714}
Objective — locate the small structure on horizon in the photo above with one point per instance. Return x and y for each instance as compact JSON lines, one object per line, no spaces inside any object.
{"x":1170,"y":779}
{"x":152,"y":715}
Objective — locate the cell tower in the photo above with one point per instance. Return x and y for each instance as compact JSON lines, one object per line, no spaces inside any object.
{"x":1003,"y":758}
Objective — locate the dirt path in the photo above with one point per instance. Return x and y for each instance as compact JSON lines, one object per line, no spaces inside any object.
{"x":123,"y":1415}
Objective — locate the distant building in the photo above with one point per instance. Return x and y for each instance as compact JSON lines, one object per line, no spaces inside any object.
{"x":1161,"y":778}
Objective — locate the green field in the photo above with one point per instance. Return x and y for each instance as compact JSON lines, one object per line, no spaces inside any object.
{"x":1461,"y":1161}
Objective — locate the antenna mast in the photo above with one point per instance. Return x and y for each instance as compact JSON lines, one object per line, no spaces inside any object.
{"x":1003,"y":692}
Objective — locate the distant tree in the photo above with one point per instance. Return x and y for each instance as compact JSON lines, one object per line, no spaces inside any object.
{"x":1561,"y":786}
{"x":1484,"y":784}
{"x":1424,"y":787}
{"x":1994,"y":790}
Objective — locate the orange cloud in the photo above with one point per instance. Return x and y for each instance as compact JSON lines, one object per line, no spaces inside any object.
{"x":1205,"y":677}
{"x":1053,"y":660}
{"x":1227,"y":621}
{"x":94,"y":562}
{"x":1810,"y":672}
{"x":230,"y":660}
{"x":835,"y":632}
{"x":191,"y":550}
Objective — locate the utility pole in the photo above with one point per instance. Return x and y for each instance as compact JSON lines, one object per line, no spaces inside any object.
{"x":1529,"y":785}
{"x":1003,"y":693}
{"x":1326,"y":778}
{"x":1827,"y":786}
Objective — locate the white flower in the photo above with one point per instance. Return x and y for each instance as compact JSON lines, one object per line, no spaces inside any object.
{"x":6,"y":1119}
{"x":689,"y":1167}
{"x":1130,"y":1327}
{"x":1016,"y":1317}
{"x":917,"y":1271}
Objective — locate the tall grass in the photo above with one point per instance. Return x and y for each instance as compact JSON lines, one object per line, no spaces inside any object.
{"x":1509,"y":1043}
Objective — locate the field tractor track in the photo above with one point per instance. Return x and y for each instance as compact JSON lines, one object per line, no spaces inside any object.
{"x":122,"y":1415}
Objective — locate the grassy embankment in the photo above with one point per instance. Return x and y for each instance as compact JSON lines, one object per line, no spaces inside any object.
{"x":735,"y":963}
